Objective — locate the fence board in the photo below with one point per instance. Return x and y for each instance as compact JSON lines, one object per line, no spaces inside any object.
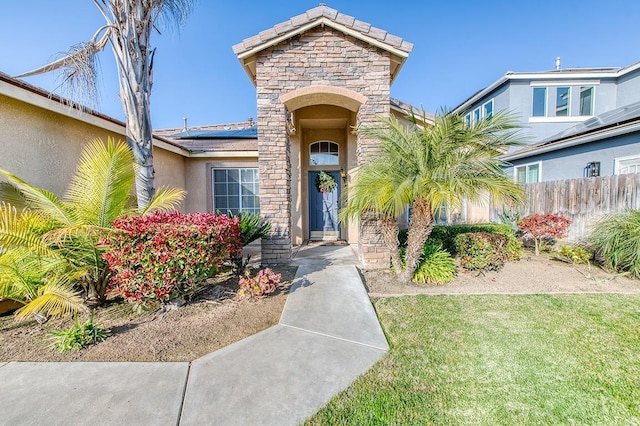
{"x":584,"y":200}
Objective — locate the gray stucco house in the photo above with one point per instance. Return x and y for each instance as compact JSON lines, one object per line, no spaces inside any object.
{"x":579,"y":122}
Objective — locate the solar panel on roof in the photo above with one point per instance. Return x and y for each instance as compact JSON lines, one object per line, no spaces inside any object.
{"x":246,"y":133}
{"x":617,"y":115}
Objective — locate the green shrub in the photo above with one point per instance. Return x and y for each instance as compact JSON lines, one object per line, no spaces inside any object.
{"x":575,"y":255}
{"x":445,"y":235}
{"x":79,"y":336}
{"x":436,"y":266}
{"x":252,"y":228}
{"x":617,"y":239}
{"x":485,"y":251}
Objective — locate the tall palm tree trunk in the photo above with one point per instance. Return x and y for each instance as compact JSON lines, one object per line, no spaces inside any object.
{"x":420,"y":227}
{"x":135,"y":61}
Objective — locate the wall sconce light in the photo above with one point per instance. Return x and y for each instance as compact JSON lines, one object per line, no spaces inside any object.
{"x":291,"y":121}
{"x":343,"y":174}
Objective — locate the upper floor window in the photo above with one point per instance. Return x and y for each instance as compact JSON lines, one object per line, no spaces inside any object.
{"x":539,"y":101}
{"x":625,"y":165}
{"x":562,"y":101}
{"x":586,"y":100}
{"x":324,"y":153}
{"x":485,"y":111}
{"x":527,"y":173}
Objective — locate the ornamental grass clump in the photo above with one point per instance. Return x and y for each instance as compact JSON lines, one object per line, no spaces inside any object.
{"x":617,"y":239}
{"x":436,"y":266}
{"x":155,"y":258}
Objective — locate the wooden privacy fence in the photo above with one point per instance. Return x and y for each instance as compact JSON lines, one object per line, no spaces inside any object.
{"x":583,"y":201}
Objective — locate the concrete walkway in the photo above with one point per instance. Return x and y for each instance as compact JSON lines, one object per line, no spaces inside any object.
{"x":328,"y":336}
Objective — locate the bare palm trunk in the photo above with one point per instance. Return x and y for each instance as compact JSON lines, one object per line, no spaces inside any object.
{"x":390,"y":234}
{"x":135,"y":59}
{"x":420,"y":227}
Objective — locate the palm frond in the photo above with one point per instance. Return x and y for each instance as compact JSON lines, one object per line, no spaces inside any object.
{"x":9,"y":194}
{"x":57,"y":298}
{"x":100,"y":189}
{"x":41,"y":200}
{"x":22,"y":231}
{"x":166,"y":199}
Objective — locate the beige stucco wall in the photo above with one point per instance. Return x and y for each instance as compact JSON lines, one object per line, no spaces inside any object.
{"x":43,"y":147}
{"x":197,"y":179}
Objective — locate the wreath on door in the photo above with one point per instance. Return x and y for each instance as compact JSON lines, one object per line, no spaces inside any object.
{"x":325,"y":182}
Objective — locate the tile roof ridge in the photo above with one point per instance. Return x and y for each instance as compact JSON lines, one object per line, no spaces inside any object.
{"x":316,"y":14}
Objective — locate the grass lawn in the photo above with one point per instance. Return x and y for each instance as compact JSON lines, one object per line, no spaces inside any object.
{"x":500,"y":360}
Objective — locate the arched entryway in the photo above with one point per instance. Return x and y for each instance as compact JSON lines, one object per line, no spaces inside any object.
{"x":322,"y":122}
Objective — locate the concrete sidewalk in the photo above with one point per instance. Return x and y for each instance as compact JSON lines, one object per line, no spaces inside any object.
{"x":328,"y":336}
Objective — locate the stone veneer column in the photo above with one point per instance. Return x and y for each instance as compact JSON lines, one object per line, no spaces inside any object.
{"x":274,"y":151}
{"x":374,"y":253}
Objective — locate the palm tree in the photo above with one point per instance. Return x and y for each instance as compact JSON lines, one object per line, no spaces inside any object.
{"x":48,"y":245}
{"x":128,"y":30}
{"x":426,"y":168}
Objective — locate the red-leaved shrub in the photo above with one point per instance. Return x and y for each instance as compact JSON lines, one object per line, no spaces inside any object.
{"x":264,"y":283}
{"x":541,"y":226}
{"x":154,"y":257}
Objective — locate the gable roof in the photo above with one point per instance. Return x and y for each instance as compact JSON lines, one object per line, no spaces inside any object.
{"x":322,"y":15}
{"x":616,"y":122}
{"x":561,"y":74}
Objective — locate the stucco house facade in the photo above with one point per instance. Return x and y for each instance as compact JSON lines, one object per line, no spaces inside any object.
{"x":318,"y":76}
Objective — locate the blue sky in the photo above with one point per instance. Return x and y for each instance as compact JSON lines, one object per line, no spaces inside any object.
{"x":459,"y":47}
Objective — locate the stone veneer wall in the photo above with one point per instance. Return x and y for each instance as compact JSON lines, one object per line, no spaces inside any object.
{"x":320,"y":56}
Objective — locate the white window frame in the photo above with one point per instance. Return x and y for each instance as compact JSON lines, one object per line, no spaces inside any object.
{"x":477,"y":115}
{"x":526,"y":166}
{"x":546,"y":102}
{"x":593,"y":99}
{"x":618,"y":160}
{"x":330,"y":143}
{"x":239,"y":169}
{"x":484,"y":108}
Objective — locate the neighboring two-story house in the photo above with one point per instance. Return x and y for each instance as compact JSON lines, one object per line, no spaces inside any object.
{"x":578,"y":122}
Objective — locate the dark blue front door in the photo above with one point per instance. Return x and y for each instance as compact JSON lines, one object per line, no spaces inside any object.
{"x":323,"y":209}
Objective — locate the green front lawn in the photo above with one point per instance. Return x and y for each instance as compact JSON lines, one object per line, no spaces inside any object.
{"x":491,"y":360}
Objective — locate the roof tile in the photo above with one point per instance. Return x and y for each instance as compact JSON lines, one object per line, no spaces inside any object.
{"x":406,"y":46}
{"x":252,"y":41}
{"x":393,"y":40}
{"x":361,"y":26}
{"x":377,"y":33}
{"x":299,"y":20}
{"x":267,"y":35}
{"x":329,"y":12}
{"x":283,"y":27}
{"x":314,"y":13}
{"x":345,"y":20}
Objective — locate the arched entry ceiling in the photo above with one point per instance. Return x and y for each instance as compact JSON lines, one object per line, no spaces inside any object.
{"x":323,"y":95}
